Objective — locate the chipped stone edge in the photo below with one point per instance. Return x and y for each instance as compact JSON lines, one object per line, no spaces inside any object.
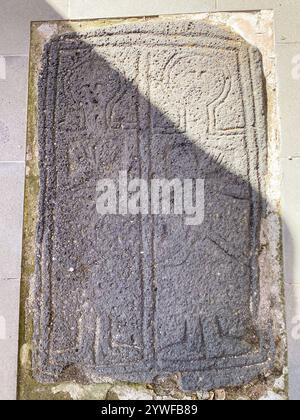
{"x":28,"y":388}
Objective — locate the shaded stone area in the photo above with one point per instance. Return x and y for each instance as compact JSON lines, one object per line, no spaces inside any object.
{"x":139,"y":297}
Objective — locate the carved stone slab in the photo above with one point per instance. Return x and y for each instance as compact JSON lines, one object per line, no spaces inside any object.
{"x":137,"y":297}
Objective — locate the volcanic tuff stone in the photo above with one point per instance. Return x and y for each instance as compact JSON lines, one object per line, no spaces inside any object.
{"x":139,"y":297}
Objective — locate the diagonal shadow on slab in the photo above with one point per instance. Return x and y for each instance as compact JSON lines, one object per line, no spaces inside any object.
{"x":135,"y":297}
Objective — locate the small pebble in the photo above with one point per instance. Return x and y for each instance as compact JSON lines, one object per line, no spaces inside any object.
{"x":220,"y":395}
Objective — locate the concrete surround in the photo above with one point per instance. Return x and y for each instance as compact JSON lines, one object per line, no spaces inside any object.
{"x":14,"y":52}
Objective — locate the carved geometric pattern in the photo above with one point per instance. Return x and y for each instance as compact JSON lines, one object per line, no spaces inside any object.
{"x":134,"y":297}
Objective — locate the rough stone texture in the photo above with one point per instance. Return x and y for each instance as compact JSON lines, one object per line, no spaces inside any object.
{"x":272,"y":396}
{"x":135,"y":298}
{"x":126,"y":393}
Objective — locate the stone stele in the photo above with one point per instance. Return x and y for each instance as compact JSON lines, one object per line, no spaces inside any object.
{"x":137,"y":297}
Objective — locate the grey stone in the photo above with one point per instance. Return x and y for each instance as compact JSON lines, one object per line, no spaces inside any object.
{"x":292,"y":297}
{"x":94,"y":392}
{"x":279,"y":384}
{"x":125,"y":393}
{"x":238,"y":5}
{"x":288,"y":69}
{"x":294,"y":389}
{"x":287,"y":14}
{"x":90,"y":9}
{"x":220,"y":395}
{"x":291,"y":219}
{"x":138,"y":297}
{"x":15,"y":19}
{"x":9,"y":329}
{"x":271,"y":396}
{"x":205,"y":395}
{"x":11,"y":219}
{"x":13,"y":109}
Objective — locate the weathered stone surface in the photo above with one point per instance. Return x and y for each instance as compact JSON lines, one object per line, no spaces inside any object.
{"x":272,"y":396}
{"x":125,"y":393}
{"x":136,"y":297}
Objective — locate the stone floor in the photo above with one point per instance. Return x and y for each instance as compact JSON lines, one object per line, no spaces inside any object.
{"x":15,"y":20}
